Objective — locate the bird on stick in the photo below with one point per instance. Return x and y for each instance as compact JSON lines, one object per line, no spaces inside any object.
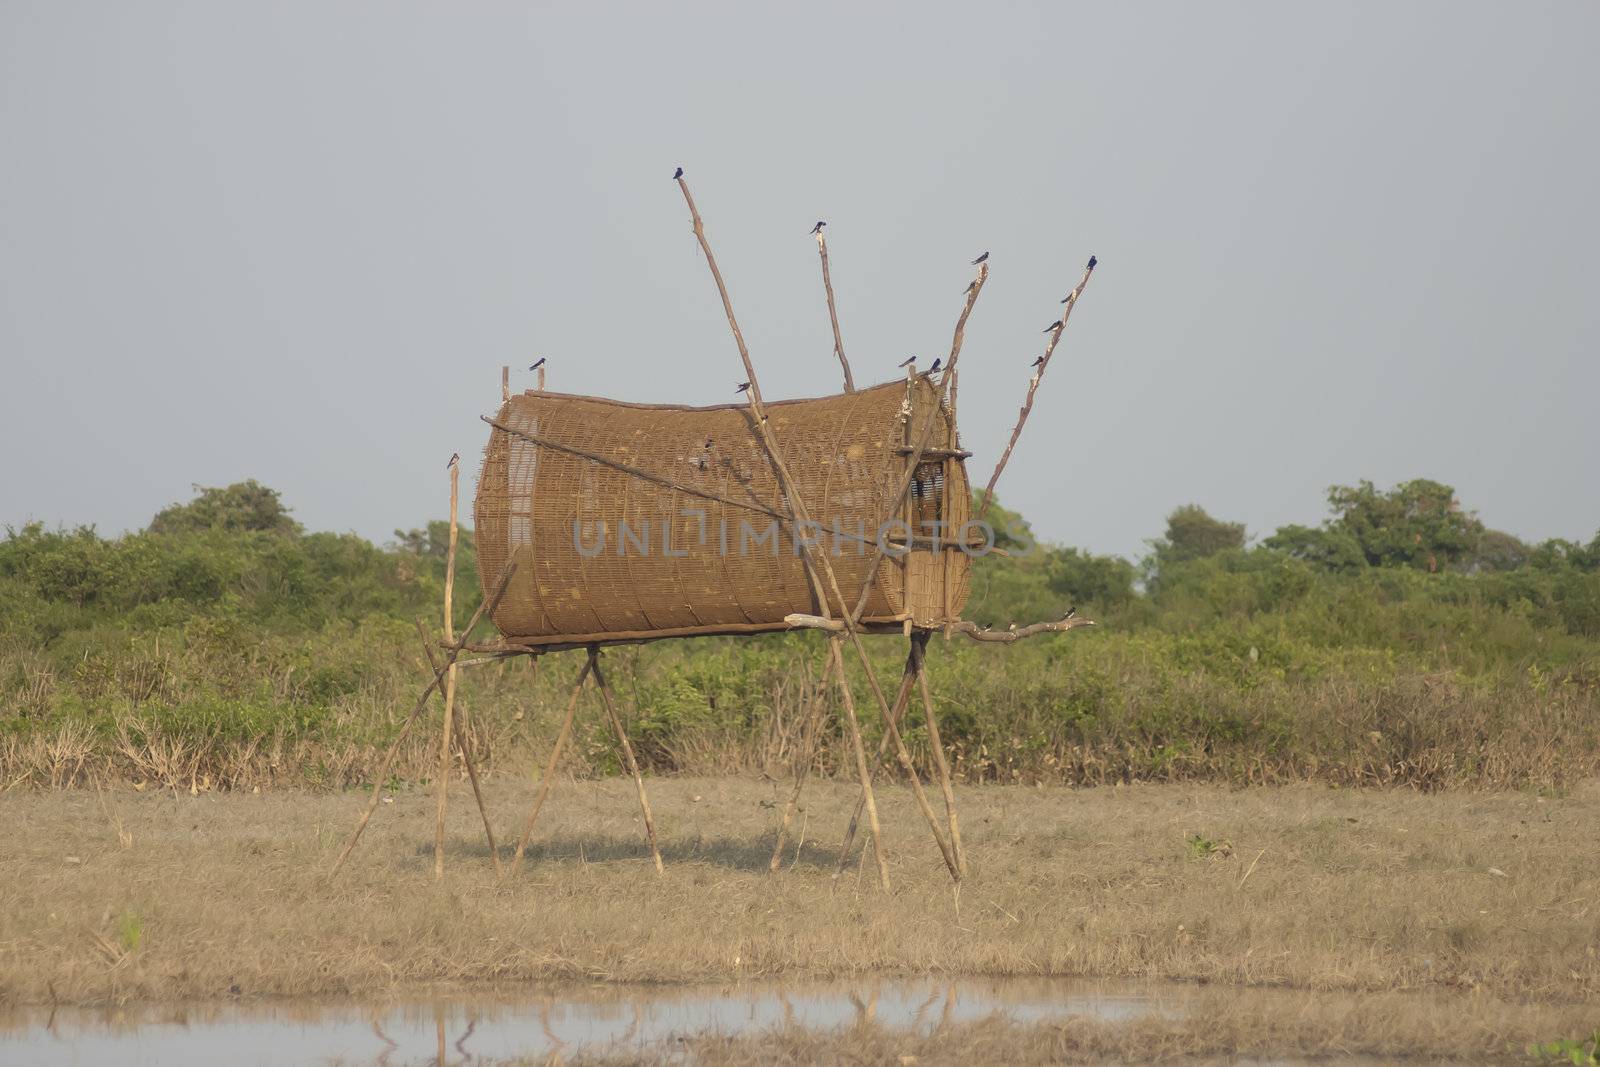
{"x":537,"y":363}
{"x":1039,"y":362}
{"x":908,"y":362}
{"x":818,"y":227}
{"x":980,"y":259}
{"x":745,"y":388}
{"x":1092,"y":262}
{"x":677,"y":174}
{"x":1056,"y":325}
{"x":936,"y":365}
{"x":455,"y":457}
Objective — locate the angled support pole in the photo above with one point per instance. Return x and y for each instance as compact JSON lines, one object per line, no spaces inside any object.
{"x":452,"y":653}
{"x":466,"y":752}
{"x":549,"y":778}
{"x":919,"y":649}
{"x":627,"y":754}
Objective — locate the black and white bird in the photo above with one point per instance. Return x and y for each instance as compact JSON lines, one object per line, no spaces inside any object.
{"x":537,"y":363}
{"x":1056,"y":325}
{"x":1039,"y":362}
{"x":1092,"y":262}
{"x":1068,"y":298}
{"x":936,"y":365}
{"x":745,"y":388}
{"x":818,"y":227}
{"x":677,"y":174}
{"x":455,"y":457}
{"x":908,"y":362}
{"x":980,"y":259}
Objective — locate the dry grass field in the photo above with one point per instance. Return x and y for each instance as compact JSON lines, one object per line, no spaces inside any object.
{"x":1467,"y":922}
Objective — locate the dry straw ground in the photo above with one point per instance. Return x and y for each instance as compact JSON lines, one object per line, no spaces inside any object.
{"x":128,"y":894}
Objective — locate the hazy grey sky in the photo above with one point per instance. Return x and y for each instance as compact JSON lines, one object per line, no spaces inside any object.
{"x":295,"y":242}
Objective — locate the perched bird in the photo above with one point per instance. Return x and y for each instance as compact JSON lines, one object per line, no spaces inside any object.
{"x":537,"y":363}
{"x":908,"y":362}
{"x":455,"y":457}
{"x":677,"y":174}
{"x":818,"y":227}
{"x":936,"y":365}
{"x":1070,"y":613}
{"x":1092,"y":262}
{"x":1038,"y":362}
{"x":1056,"y":325}
{"x":1068,"y":298}
{"x":745,"y":388}
{"x":971,"y":285}
{"x":1012,"y":628}
{"x":980,"y":259}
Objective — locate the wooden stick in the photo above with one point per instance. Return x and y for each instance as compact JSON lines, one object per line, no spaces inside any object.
{"x":422,"y":702}
{"x":902,"y":698}
{"x":540,"y":385}
{"x":448,"y":733}
{"x":1033,"y":387}
{"x":967,"y":629}
{"x":466,"y":749}
{"x":505,"y":384}
{"x":627,"y":755}
{"x":862,"y":770}
{"x":919,"y":648}
{"x":550,"y":767}
{"x":833,"y":313}
{"x":892,"y":731}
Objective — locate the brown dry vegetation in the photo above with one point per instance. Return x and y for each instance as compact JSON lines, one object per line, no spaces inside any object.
{"x":142,"y":895}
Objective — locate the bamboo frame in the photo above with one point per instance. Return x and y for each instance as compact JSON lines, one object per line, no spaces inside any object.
{"x":797,"y":506}
{"x":382,"y":776}
{"x":446,"y":734}
{"x":591,"y":667}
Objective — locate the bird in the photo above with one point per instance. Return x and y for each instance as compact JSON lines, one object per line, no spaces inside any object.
{"x":818,"y":227}
{"x":971,"y":285}
{"x":745,"y":388}
{"x":909,"y":361}
{"x":537,"y":363}
{"x":1056,"y":325}
{"x":1070,"y":613}
{"x":1092,"y":262}
{"x":1068,"y":298}
{"x":707,"y":445}
{"x":1012,"y":628}
{"x":455,"y":457}
{"x":936,"y":364}
{"x":980,"y":259}
{"x":677,"y":174}
{"x":1038,"y":362}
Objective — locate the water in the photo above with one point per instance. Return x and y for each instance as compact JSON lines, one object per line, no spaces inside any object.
{"x":478,"y":1028}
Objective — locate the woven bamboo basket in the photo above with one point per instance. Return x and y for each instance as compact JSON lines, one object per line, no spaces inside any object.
{"x":604,"y":555}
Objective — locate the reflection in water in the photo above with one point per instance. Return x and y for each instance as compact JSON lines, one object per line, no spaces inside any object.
{"x":485,"y":1028}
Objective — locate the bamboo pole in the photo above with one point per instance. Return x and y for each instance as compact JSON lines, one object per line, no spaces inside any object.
{"x":901,"y":700}
{"x":797,"y":507}
{"x":919,"y":649}
{"x":1033,"y":387}
{"x":466,"y":751}
{"x":836,"y":658}
{"x":833,"y":312}
{"x":447,"y":735}
{"x":550,"y":767}
{"x":505,"y":383}
{"x":488,"y":606}
{"x":627,"y":755}
{"x":1071,"y":621}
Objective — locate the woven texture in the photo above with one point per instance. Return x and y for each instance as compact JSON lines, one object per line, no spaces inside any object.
{"x":602,"y":552}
